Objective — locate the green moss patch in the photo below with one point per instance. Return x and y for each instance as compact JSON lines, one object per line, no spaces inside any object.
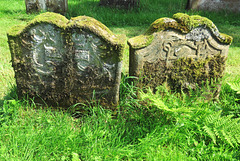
{"x":48,"y":17}
{"x":75,"y":86}
{"x":94,"y":26}
{"x":181,"y":22}
{"x":183,"y":74}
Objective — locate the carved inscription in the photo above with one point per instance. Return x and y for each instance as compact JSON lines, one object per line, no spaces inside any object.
{"x":60,"y":62}
{"x":89,"y":52}
{"x":185,"y":52}
{"x":47,"y":48}
{"x":170,"y":45}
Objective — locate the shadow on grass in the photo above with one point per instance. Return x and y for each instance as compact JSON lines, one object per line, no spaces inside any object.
{"x":12,"y":95}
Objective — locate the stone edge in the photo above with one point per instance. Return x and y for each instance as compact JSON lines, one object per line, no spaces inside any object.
{"x":96,"y":27}
{"x":82,"y":22}
{"x":181,"y":22}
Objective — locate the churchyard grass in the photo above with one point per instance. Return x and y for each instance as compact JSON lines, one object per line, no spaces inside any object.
{"x":162,"y":126}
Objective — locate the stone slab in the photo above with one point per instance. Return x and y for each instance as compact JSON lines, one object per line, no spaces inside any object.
{"x":214,"y":5}
{"x":62,"y":62}
{"x":183,"y":51}
{"x":58,"y":6}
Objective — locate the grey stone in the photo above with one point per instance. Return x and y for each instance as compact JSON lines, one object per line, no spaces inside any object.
{"x":182,"y":55}
{"x":62,"y":62}
{"x":214,"y":5}
{"x":58,"y":6}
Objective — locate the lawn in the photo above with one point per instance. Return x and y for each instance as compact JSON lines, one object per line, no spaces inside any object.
{"x":161,"y":126}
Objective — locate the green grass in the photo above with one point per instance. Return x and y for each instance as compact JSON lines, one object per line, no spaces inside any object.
{"x":162,"y":126}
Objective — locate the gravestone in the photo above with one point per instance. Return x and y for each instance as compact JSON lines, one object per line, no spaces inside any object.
{"x":184,"y":52}
{"x":214,"y":5}
{"x":58,"y":6}
{"x":62,"y":62}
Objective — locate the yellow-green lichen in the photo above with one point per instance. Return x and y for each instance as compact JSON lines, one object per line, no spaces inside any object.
{"x":181,"y":22}
{"x":82,"y":22}
{"x":141,"y":41}
{"x":184,"y":74}
{"x":48,"y":17}
{"x":94,"y":26}
{"x":194,"y":21}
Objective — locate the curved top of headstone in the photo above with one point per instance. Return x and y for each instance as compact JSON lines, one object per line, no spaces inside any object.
{"x":96,"y":27}
{"x":48,"y":17}
{"x":82,"y":22}
{"x":181,"y":22}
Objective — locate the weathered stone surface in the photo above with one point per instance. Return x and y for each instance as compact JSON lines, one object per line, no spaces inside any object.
{"x":58,"y":6}
{"x":185,"y":52}
{"x":214,"y":5}
{"x":64,"y":62}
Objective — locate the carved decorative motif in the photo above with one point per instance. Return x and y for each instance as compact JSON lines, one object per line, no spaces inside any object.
{"x":63,"y":64}
{"x":171,"y":45}
{"x":184,"y":52}
{"x":88,"y":53}
{"x":47,"y":48}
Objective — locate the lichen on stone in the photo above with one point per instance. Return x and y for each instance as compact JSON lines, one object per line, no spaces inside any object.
{"x":41,"y":66}
{"x":185,"y":74}
{"x":181,"y":22}
{"x":48,"y":17}
{"x":94,"y":26}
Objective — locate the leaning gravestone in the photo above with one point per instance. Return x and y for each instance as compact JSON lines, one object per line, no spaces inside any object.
{"x":62,"y":62}
{"x":184,"y":51}
{"x":214,"y":5}
{"x":58,"y":6}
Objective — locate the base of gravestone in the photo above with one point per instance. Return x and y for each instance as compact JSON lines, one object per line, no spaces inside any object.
{"x":186,"y":75}
{"x":120,"y":3}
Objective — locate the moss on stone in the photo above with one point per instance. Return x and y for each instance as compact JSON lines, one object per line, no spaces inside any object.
{"x":15,"y":32}
{"x":181,"y":22}
{"x":184,"y":74}
{"x":94,"y":26}
{"x":51,"y":18}
{"x":82,"y":22}
{"x":65,"y":72}
{"x":90,"y":24}
{"x":140,"y":41}
{"x":48,"y":17}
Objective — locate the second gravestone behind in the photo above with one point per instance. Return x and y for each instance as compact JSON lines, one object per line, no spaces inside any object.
{"x":184,"y":51}
{"x":214,"y":5}
{"x":58,"y":6}
{"x":62,"y":62}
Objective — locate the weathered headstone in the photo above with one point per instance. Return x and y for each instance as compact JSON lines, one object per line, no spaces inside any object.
{"x":64,"y":62}
{"x":184,"y":51}
{"x":58,"y":6}
{"x":214,"y":5}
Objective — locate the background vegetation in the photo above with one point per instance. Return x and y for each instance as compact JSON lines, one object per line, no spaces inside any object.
{"x":161,"y":126}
